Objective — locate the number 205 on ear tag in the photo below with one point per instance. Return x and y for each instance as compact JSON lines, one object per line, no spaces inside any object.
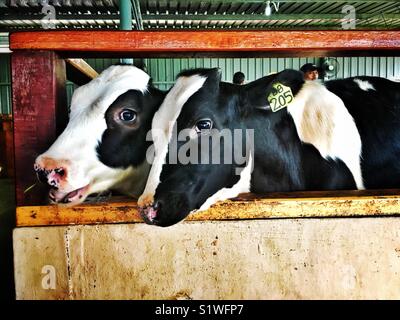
{"x":280,"y":97}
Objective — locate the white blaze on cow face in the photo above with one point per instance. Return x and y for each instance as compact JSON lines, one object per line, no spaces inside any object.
{"x":364,"y":85}
{"x":162,"y":128}
{"x":72,"y":160}
{"x":322,"y":120}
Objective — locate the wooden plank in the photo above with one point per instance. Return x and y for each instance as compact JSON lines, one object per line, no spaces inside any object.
{"x":259,"y":259}
{"x":300,"y":43}
{"x":39,"y":111}
{"x":79,"y":72}
{"x":83,"y":67}
{"x":247,"y":206}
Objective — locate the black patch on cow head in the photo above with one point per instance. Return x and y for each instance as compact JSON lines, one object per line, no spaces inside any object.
{"x":128,"y":120}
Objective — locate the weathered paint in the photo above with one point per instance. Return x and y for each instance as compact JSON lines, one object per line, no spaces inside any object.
{"x":187,"y":43}
{"x":312,"y":204}
{"x":342,"y":258}
{"x":46,"y":247}
{"x":38,"y":95}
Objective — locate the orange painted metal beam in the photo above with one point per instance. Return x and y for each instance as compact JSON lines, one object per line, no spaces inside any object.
{"x":168,"y":42}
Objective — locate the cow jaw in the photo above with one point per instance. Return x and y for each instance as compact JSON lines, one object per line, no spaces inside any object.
{"x":242,"y":186}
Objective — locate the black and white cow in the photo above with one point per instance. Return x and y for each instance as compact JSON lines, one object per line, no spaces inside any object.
{"x":343,"y":134}
{"x":104,"y":144}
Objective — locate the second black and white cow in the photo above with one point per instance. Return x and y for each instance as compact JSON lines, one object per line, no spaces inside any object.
{"x":104,"y":144}
{"x":307,"y":136}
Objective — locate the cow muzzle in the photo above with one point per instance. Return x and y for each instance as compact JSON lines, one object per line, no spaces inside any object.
{"x":150,"y":213}
{"x":54,"y":173}
{"x":166,"y":210}
{"x":55,"y":177}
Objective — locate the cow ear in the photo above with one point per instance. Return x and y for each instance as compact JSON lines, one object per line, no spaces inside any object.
{"x":254,"y":95}
{"x":291,"y":78}
{"x":213,"y":78}
{"x":212,"y":74}
{"x":210,"y":88}
{"x":258,"y":92}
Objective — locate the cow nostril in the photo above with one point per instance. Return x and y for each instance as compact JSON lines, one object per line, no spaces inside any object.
{"x":157,"y":206}
{"x":42,"y":176}
{"x":60,"y":171}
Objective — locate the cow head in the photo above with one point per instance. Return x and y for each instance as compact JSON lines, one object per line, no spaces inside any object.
{"x":103,"y":146}
{"x":205,"y":110}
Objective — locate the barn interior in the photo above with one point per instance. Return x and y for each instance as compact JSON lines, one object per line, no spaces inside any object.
{"x":177,"y":15}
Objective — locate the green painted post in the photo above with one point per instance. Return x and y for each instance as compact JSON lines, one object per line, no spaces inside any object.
{"x":125,"y":13}
{"x":125,"y":18}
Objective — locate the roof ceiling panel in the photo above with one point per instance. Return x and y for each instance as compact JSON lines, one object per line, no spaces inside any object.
{"x":203,"y":14}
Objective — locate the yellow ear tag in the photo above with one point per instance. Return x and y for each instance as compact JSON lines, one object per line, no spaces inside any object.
{"x":280,"y":97}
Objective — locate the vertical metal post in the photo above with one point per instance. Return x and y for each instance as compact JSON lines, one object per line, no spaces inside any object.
{"x":125,"y":16}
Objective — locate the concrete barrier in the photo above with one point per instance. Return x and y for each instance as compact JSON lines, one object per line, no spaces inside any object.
{"x":328,"y":258}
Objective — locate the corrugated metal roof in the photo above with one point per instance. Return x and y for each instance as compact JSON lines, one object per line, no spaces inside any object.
{"x":201,"y":14}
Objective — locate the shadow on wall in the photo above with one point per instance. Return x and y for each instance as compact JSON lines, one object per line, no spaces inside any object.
{"x":7,"y":224}
{"x":6,"y":147}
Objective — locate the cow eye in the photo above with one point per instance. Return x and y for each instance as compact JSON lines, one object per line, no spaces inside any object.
{"x":203,"y":124}
{"x":128,"y":115}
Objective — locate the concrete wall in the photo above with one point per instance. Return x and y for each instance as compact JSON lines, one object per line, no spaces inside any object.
{"x":343,"y":258}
